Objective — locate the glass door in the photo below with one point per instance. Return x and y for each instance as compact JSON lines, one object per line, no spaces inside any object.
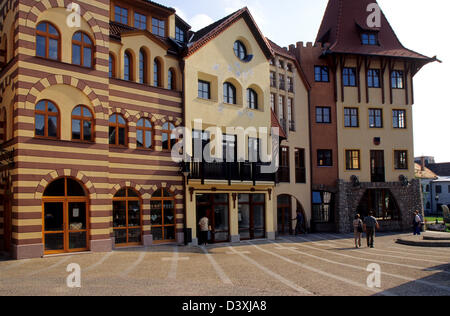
{"x":77,"y":229}
{"x":251,"y":216}
{"x":377,"y":165}
{"x":54,"y":226}
{"x":284,"y":215}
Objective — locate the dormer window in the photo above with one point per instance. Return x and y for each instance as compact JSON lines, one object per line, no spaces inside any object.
{"x":369,"y":39}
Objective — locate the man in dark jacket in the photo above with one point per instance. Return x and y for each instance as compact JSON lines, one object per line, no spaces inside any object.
{"x":370,"y":226}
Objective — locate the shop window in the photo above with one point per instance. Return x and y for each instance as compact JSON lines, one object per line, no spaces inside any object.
{"x":323,"y":207}
{"x":163,"y":216}
{"x":127,"y":217}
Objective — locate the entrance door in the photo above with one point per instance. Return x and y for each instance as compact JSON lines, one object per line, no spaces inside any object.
{"x":377,"y":165}
{"x":284,"y":215}
{"x":65,"y":217}
{"x":216,"y":208}
{"x":251,"y":216}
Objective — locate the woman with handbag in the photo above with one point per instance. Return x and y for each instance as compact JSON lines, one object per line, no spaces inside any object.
{"x":358,"y":228}
{"x":204,"y":230}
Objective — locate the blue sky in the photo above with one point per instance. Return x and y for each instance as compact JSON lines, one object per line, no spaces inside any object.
{"x":420,"y":26}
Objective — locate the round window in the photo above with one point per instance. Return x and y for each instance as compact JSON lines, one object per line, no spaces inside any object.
{"x":240,"y":51}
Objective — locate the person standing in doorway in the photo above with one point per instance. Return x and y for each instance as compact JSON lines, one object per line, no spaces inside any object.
{"x":204,"y":230}
{"x":299,"y":226}
{"x":358,"y":228}
{"x":370,"y":226}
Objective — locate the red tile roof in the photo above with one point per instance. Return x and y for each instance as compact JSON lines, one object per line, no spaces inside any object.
{"x":210,"y":32}
{"x":341,"y":27}
{"x":276,"y":123}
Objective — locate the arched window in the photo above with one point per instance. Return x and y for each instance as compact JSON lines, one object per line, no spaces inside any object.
{"x":82,"y":124}
{"x":46,"y":116}
{"x":143,"y":66}
{"x":128,"y":67}
{"x":240,"y":51}
{"x":48,"y":41}
{"x":112,"y":66}
{"x":229,"y":93}
{"x":252,"y":99}
{"x":171,"y":79}
{"x":168,"y":139}
{"x":127,"y":217}
{"x":66,"y":217}
{"x":157,"y":82}
{"x":82,"y":50}
{"x":163,"y":216}
{"x":117,"y":130}
{"x":144,"y":134}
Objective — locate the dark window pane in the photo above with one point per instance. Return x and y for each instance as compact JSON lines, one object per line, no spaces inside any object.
{"x":52,"y":126}
{"x":87,"y":57}
{"x":40,"y":46}
{"x":54,"y":216}
{"x":54,"y":242}
{"x":121,"y":136}
{"x":76,"y":54}
{"x":74,"y":188}
{"x":76,"y":131}
{"x":40,"y":125}
{"x":53,"y":49}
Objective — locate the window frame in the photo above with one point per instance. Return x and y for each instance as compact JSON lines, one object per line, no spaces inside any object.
{"x":167,"y":132}
{"x":47,"y":36}
{"x":202,"y":84}
{"x":348,"y":113}
{"x":300,"y":165}
{"x":112,"y":66}
{"x":157,"y":73}
{"x":372,"y":76}
{"x":252,"y":99}
{"x":46,"y":115}
{"x":349,"y":77}
{"x":398,"y":164}
{"x":396,"y":119}
{"x":130,"y":67}
{"x":127,"y":199}
{"x":143,"y":67}
{"x":140,"y":22}
{"x":375,"y":110}
{"x":351,"y":158}
{"x":171,"y":79}
{"x":160,"y":22}
{"x":82,"y":46}
{"x":117,"y":126}
{"x":122,"y":9}
{"x":327,"y":161}
{"x":82,"y":119}
{"x":240,"y":50}
{"x":228,"y":88}
{"x":144,"y":130}
{"x":398,"y":79}
{"x":322,"y":121}
{"x":324,"y":73}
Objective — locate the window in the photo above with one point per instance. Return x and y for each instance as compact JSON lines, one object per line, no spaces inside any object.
{"x":438,"y":189}
{"x":323,"y":115}
{"x":144,"y":134}
{"x":117,"y":130}
{"x":127,"y":217}
{"x":324,"y":158}
{"x":321,"y":74}
{"x":253,"y":149}
{"x":48,"y":41}
{"x":143,"y":67}
{"x":140,"y":21}
{"x":128,"y":67}
{"x":171,"y":80}
{"x":322,"y":207}
{"x":349,"y":77}
{"x":157,"y":82}
{"x":284,"y":174}
{"x":351,"y":117}
{"x":352,"y":159}
{"x":168,"y":138}
{"x":273,"y":80}
{"x":399,"y":119}
{"x":375,"y":118}
{"x":290,"y":114}
{"x":290,"y":81}
{"x":280,"y":64}
{"x":272,"y":101}
{"x":204,"y":90}
{"x":240,"y":51}
{"x":281,"y":108}
{"x":289,"y":68}
{"x":121,"y":15}
{"x":158,"y":27}
{"x":82,"y":124}
{"x":373,"y":78}
{"x":112,"y":66}
{"x":300,"y":166}
{"x":46,"y":119}
{"x":179,"y":34}
{"x":163,"y":216}
{"x":252,"y":99}
{"x":397,"y":79}
{"x":229,"y":93}
{"x":401,"y":160}
{"x":369,"y":39}
{"x":82,"y":50}
{"x":282,"y":82}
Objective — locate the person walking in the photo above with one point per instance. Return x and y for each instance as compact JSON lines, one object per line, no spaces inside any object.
{"x":358,"y":228}
{"x":204,"y":230}
{"x":370,"y":226}
{"x":299,"y":226}
{"x":417,"y":224}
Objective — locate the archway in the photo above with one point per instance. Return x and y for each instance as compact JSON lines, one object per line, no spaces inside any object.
{"x":287,"y":212}
{"x":65,"y":208}
{"x":381,"y":202}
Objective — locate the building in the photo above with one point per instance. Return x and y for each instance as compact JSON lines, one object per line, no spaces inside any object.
{"x":426,"y":177}
{"x":227,"y":88}
{"x":289,"y":92}
{"x":440,"y":195}
{"x":87,"y":118}
{"x":361,"y":119}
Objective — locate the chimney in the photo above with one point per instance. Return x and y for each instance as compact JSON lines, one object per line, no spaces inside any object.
{"x":422,"y":163}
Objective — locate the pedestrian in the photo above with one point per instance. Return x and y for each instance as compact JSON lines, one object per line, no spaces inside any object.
{"x":358,"y":228}
{"x":204,"y":230}
{"x":417,"y":224}
{"x":370,"y":226}
{"x":299,"y":226}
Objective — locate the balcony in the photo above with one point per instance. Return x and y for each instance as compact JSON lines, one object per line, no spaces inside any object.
{"x":230,"y":171}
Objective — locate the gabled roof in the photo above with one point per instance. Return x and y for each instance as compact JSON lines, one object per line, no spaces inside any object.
{"x":341,"y":27}
{"x":205,"y":35}
{"x":425,"y":173}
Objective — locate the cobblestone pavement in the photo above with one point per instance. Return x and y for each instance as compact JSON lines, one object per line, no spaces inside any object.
{"x":319,"y":264}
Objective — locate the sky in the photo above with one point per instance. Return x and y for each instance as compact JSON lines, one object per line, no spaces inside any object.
{"x":419,"y":25}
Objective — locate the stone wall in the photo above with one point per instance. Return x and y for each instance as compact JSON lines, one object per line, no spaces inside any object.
{"x":407,"y":197}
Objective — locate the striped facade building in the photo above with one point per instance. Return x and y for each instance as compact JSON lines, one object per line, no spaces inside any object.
{"x":86,"y":150}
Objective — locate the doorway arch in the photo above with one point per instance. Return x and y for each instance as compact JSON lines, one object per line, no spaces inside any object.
{"x":65,"y":217}
{"x":382,"y":203}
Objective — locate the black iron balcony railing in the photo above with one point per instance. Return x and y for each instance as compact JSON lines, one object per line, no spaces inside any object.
{"x":230,"y":171}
